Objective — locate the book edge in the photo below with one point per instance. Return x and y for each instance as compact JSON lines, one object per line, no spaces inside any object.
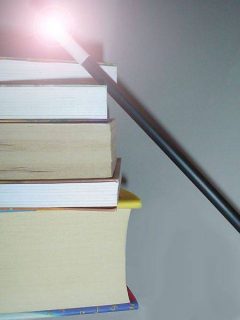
{"x":131,"y":305}
{"x":72,"y":61}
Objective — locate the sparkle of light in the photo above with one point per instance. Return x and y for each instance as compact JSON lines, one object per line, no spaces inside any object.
{"x":52,"y":23}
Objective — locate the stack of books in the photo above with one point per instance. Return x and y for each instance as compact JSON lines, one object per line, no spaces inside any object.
{"x":63,"y":216}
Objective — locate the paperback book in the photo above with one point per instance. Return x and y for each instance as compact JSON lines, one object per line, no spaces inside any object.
{"x":22,"y":69}
{"x":131,"y":305}
{"x":57,"y":150}
{"x":81,"y":102}
{"x":65,"y":258}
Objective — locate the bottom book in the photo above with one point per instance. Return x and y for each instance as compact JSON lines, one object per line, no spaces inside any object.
{"x":131,"y":305}
{"x":66,"y":260}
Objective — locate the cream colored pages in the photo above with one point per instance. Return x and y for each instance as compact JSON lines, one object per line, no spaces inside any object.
{"x":57,"y":150}
{"x":62,"y":259}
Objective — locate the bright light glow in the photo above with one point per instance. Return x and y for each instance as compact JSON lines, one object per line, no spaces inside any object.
{"x":53,"y":26}
{"x":52,"y":23}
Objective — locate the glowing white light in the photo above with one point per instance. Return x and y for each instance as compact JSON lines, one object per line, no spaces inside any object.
{"x":52,"y":22}
{"x":53,"y":25}
{"x":51,"y":28}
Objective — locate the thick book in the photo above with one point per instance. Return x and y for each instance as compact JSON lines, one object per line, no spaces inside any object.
{"x":64,"y":259}
{"x":61,"y":193}
{"x":85,"y":102}
{"x":16,"y":69}
{"x":57,"y":150}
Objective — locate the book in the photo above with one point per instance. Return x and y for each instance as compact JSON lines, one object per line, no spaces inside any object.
{"x":64,"y":259}
{"x":54,"y":101}
{"x":61,"y":150}
{"x":22,"y":69}
{"x":61,"y":193}
{"x":131,"y":305}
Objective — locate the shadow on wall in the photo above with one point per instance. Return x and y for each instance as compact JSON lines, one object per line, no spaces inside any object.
{"x":172,"y":140}
{"x":206,"y":264}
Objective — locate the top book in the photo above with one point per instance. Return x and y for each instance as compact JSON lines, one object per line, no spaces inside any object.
{"x":17,"y":70}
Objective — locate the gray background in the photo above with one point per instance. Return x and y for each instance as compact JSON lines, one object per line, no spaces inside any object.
{"x":181,"y":61}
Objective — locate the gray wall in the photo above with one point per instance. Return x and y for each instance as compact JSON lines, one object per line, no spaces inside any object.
{"x":180,"y":59}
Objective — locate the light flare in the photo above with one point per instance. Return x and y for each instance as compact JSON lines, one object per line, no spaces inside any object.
{"x":53,"y":23}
